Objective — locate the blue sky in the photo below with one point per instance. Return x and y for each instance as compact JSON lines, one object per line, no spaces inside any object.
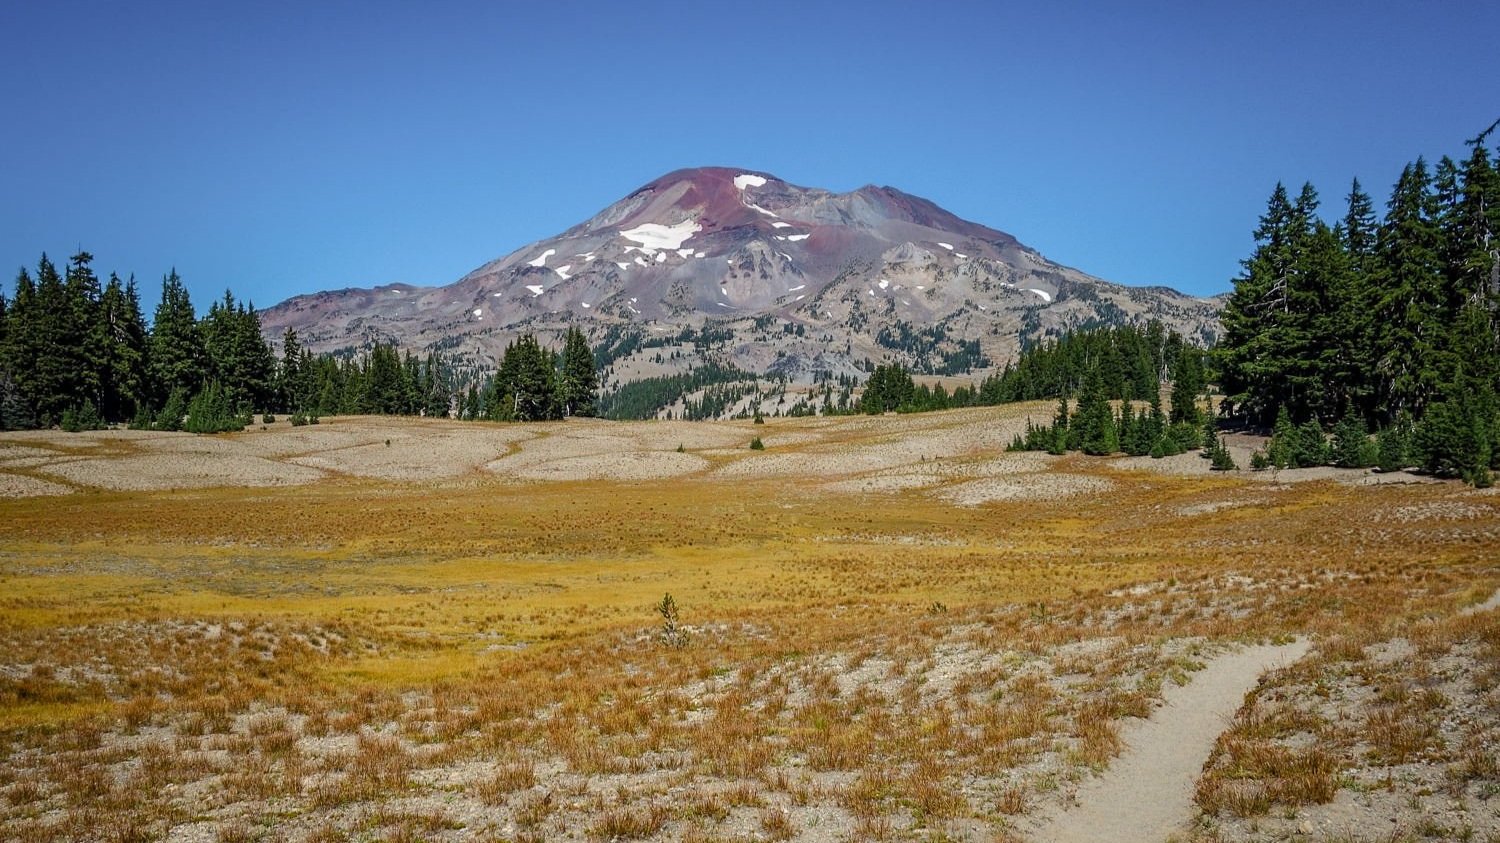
{"x":277,"y":148}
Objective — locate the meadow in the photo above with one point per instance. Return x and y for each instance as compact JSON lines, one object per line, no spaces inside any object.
{"x":888,"y":629}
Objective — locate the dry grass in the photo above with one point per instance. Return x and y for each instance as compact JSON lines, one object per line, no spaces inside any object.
{"x":469,"y":657}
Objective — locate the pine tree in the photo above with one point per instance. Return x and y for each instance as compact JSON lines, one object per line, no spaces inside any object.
{"x":291,"y":378}
{"x":1251,"y":316}
{"x":579,"y":383}
{"x":173,"y":410}
{"x":124,"y":379}
{"x":1352,"y":447}
{"x":85,"y":334}
{"x":526,"y":386}
{"x":16,"y":408}
{"x":1187,"y":383}
{"x":1093,"y":422}
{"x":1408,"y":312}
{"x":177,"y":359}
{"x":1393,"y":445}
{"x":1474,"y":238}
{"x":438,"y":388}
{"x":1281,"y":451}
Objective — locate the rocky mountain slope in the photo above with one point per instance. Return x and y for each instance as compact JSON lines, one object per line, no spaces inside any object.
{"x":745,"y":269}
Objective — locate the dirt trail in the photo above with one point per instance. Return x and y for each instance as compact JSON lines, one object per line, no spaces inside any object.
{"x":1147,"y":793}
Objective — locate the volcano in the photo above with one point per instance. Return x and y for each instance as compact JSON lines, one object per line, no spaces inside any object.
{"x":793,"y":280}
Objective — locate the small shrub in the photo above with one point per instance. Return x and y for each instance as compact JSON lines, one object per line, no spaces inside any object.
{"x":757,"y":445}
{"x":671,"y":633}
{"x":1221,"y":460}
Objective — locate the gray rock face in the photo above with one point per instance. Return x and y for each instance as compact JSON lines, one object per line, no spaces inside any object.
{"x":800,"y":281}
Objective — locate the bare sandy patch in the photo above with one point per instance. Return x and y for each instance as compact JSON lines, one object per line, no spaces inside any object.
{"x":155,"y":472}
{"x":634,"y":465}
{"x":815,"y":464}
{"x":21,"y":486}
{"x":1025,"y":487}
{"x":10,"y":452}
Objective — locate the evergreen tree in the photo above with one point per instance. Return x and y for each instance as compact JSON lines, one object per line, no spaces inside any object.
{"x":437,"y":387}
{"x":1093,"y":422}
{"x":526,"y":385}
{"x":45,"y":365}
{"x":1187,"y":383}
{"x":1282,"y":450}
{"x":1060,"y":429}
{"x":579,"y":383}
{"x":1393,"y":445}
{"x":85,"y":334}
{"x":124,"y":377}
{"x":1474,"y":236}
{"x":291,"y":378}
{"x":889,"y":388}
{"x":1409,"y":310}
{"x":1249,"y":359}
{"x":1352,"y":447}
{"x":16,"y":409}
{"x":212,"y":411}
{"x":173,"y":410}
{"x":176,"y":355}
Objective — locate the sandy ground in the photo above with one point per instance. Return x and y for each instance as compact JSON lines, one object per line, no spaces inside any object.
{"x":1147,"y":794}
{"x":957,"y":456}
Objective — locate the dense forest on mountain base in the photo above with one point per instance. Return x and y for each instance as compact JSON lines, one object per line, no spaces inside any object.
{"x":79,"y":355}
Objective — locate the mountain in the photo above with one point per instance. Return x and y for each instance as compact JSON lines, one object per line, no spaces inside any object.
{"x":742,"y":268}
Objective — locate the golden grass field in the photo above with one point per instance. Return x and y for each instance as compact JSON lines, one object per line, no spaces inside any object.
{"x":380,"y":629}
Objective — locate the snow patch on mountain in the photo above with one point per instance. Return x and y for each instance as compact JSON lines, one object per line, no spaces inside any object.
{"x":542,"y":261}
{"x":657,"y":236}
{"x":749,"y":180}
{"x":1046,"y":296}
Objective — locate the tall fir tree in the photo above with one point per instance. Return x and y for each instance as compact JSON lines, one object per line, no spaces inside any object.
{"x":177,"y":358}
{"x":525,"y":388}
{"x":1188,"y":380}
{"x":579,"y":382}
{"x":124,"y":380}
{"x":1254,"y":317}
{"x":1409,"y":309}
{"x":292,"y":387}
{"x":1354,"y":298}
{"x":85,"y":333}
{"x":47,"y":364}
{"x":1093,"y":424}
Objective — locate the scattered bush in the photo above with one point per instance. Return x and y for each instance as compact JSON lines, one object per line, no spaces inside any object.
{"x":671,"y":633}
{"x":209,"y":412}
{"x":172,"y":413}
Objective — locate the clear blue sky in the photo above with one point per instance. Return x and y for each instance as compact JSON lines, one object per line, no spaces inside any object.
{"x":277,"y":148}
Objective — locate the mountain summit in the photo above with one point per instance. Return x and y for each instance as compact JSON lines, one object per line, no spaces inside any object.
{"x":803,"y":281}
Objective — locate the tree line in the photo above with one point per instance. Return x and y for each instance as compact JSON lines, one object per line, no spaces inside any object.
{"x":80,"y":354}
{"x":1382,"y":324}
{"x":1128,"y":362}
